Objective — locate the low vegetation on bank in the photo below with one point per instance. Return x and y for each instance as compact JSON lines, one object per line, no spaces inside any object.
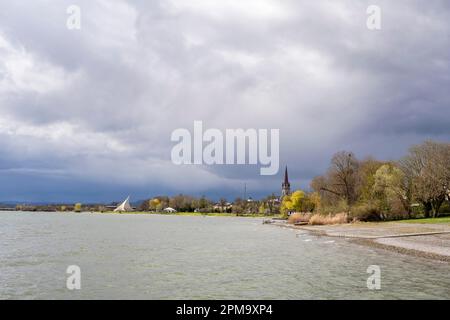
{"x":442,"y":220}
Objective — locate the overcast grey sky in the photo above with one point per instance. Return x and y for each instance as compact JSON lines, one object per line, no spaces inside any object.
{"x":86,"y":115}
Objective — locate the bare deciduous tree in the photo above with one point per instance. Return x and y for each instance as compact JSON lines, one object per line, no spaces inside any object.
{"x":341,"y":178}
{"x":427,"y":170}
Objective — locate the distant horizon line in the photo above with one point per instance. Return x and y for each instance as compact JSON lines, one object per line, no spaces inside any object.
{"x":43,"y":202}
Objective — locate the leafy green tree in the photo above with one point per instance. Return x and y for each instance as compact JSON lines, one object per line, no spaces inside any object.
{"x":298,"y":199}
{"x":262,"y":208}
{"x":286,"y":206}
{"x":222,"y":204}
{"x":388,"y":187}
{"x":316,"y":201}
{"x":154,"y":203}
{"x":366,"y":178}
{"x":239,"y":206}
{"x":77,"y":207}
{"x":203,"y":203}
{"x":272,"y":204}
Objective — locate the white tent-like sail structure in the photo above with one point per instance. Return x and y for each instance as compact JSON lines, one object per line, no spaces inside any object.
{"x":124,"y":206}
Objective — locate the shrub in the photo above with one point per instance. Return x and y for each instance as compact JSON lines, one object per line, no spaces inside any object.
{"x":299,"y":217}
{"x":336,"y":208}
{"x":445,"y":208}
{"x":366,"y":212}
{"x":77,"y":207}
{"x":377,"y":211}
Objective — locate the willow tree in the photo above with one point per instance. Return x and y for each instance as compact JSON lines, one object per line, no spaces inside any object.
{"x":389,"y":186}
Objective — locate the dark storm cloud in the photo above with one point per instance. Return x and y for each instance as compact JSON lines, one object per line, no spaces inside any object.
{"x":97,"y":106}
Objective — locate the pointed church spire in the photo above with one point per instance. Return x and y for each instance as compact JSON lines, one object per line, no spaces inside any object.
{"x":286,"y":178}
{"x":286,"y":186}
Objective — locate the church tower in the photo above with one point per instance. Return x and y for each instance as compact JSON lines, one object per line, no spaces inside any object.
{"x":286,"y":186}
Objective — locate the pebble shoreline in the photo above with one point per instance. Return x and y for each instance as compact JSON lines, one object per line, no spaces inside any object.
{"x":371,"y":235}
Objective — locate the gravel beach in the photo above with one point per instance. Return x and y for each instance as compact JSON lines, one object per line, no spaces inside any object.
{"x":425,"y":240}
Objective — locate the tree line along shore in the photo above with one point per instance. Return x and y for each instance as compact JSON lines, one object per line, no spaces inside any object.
{"x":415,"y":186}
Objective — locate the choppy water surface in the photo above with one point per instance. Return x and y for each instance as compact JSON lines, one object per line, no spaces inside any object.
{"x":172,"y":257}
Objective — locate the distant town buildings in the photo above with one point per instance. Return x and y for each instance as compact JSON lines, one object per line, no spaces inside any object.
{"x":179,"y":203}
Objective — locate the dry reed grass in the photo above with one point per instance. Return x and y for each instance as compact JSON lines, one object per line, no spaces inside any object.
{"x":318,"y":219}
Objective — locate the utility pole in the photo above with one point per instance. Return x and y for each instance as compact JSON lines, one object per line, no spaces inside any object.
{"x":245,"y":191}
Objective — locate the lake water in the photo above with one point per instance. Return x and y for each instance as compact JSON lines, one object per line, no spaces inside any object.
{"x":173,"y":257}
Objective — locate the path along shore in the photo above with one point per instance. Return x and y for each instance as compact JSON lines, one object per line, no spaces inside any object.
{"x":425,"y":240}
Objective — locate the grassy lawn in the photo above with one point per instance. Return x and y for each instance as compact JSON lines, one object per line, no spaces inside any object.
{"x":428,"y":221}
